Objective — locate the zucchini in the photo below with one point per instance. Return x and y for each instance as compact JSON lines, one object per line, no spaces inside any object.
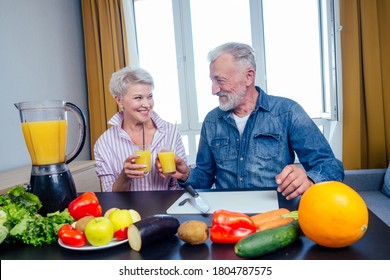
{"x":151,"y":229}
{"x":267,"y":241}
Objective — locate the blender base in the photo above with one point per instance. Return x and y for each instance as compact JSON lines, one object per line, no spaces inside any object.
{"x":56,"y":189}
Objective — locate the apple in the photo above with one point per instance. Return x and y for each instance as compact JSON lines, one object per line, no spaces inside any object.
{"x":109,"y":211}
{"x":135,"y":215}
{"x":99,"y":231}
{"x":120,"y":219}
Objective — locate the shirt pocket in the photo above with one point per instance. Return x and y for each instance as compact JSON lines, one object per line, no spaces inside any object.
{"x":222,"y":150}
{"x":267,"y":146}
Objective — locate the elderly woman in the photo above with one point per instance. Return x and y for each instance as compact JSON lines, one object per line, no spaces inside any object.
{"x":136,"y":124}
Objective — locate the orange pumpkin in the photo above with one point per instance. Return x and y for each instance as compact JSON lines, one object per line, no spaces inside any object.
{"x":332,"y":214}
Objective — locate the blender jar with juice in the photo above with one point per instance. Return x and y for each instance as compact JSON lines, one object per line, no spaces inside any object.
{"x":45,"y":130}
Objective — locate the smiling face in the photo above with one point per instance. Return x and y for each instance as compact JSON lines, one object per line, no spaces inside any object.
{"x":137,"y":103}
{"x":228,"y":82}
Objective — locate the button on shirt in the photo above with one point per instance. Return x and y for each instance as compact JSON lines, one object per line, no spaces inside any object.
{"x":276,"y":129}
{"x":114,"y":146}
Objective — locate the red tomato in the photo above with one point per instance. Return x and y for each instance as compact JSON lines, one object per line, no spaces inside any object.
{"x":74,"y":238}
{"x":121,"y":234}
{"x":64,"y":228}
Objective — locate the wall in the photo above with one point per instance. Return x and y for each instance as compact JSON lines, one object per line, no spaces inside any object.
{"x":41,"y":57}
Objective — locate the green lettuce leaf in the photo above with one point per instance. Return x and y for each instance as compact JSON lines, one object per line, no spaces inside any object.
{"x":3,"y":233}
{"x":19,"y":216}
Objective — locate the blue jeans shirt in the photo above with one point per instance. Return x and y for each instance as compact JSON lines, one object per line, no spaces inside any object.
{"x":276,"y":129}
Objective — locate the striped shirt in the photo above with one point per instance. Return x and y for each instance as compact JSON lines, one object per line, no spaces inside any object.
{"x":114,"y":146}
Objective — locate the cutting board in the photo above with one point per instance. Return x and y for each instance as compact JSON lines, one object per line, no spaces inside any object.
{"x":249,"y":202}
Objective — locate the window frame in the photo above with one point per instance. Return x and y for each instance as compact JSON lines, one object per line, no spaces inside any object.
{"x":329,"y":121}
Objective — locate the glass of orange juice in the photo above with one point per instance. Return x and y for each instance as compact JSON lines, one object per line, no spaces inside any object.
{"x":144,"y":158}
{"x":166,"y":155}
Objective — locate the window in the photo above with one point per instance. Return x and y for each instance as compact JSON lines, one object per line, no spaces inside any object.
{"x":294,"y":41}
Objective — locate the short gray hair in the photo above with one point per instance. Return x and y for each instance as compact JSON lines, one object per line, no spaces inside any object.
{"x":242,"y":53}
{"x":126,"y":77}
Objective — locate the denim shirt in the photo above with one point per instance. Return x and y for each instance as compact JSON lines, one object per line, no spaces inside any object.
{"x":275,"y":129}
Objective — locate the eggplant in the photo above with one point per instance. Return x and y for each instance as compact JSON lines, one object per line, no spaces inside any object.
{"x":151,"y":229}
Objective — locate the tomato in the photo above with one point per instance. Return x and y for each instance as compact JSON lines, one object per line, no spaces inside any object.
{"x":64,"y":228}
{"x":121,"y":234}
{"x":74,"y":238}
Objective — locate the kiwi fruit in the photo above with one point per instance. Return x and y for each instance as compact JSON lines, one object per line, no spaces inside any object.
{"x":82,"y":223}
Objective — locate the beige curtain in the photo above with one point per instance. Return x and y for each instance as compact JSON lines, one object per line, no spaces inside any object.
{"x":365,"y":40}
{"x":105,"y":52}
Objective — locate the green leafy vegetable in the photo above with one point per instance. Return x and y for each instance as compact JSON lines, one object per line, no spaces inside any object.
{"x":3,"y":217}
{"x":3,"y":233}
{"x":21,"y":222}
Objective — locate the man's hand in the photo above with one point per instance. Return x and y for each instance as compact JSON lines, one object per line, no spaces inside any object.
{"x":292,"y":181}
{"x":182,"y":169}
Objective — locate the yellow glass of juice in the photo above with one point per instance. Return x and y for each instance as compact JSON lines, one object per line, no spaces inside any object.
{"x":166,"y":155}
{"x":144,"y":158}
{"x":46,"y":141}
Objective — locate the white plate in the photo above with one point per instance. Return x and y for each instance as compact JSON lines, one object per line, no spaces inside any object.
{"x":89,"y":247}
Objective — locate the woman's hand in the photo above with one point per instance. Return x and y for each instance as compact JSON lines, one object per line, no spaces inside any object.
{"x":131,"y":169}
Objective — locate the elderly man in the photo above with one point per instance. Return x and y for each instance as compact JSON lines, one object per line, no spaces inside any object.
{"x":251,"y":139}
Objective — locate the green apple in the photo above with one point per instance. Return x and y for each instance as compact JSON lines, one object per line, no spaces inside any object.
{"x":135,"y":215}
{"x":99,"y":231}
{"x":120,"y":219}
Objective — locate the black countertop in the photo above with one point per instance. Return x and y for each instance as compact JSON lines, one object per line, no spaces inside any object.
{"x":374,"y":245}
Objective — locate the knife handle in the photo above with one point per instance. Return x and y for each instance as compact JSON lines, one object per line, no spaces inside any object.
{"x":192,"y":192}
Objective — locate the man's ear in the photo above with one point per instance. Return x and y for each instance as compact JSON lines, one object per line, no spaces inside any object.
{"x":250,"y":76}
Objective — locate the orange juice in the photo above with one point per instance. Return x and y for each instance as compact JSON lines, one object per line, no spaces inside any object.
{"x":167,"y":160}
{"x":46,"y":141}
{"x":145,"y":158}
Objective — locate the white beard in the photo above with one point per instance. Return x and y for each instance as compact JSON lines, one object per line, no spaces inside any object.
{"x":233,"y":100}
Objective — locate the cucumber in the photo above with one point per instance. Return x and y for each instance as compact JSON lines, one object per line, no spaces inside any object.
{"x":268,"y":241}
{"x":151,"y":229}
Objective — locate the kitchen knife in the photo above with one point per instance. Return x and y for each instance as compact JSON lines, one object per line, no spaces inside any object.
{"x":196,"y":201}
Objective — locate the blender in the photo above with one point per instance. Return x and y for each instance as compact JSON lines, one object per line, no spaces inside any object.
{"x":45,"y":130}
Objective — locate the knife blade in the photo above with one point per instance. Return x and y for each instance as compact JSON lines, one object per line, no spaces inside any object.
{"x":196,"y":201}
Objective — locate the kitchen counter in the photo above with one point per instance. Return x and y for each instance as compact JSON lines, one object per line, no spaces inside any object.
{"x":83,"y":173}
{"x":373,"y":246}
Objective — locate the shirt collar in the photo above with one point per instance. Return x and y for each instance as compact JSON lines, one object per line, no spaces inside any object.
{"x":117,"y":119}
{"x":262,"y":100}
